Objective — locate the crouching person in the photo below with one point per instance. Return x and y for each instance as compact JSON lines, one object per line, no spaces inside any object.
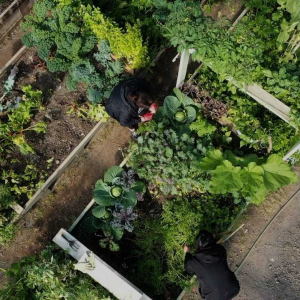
{"x":131,"y":103}
{"x":210,"y":266}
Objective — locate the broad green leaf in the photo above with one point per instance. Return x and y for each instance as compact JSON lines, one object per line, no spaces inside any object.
{"x":102,"y":194}
{"x":22,"y":145}
{"x":258,"y":197}
{"x":112,"y":173}
{"x":98,"y":223}
{"x":139,"y":187}
{"x":185,"y":100}
{"x":191,"y":114}
{"x":129,"y":199}
{"x":202,"y":127}
{"x":171,"y":105}
{"x":252,"y":177}
{"x":117,"y":233}
{"x":213,"y":159}
{"x":283,"y":37}
{"x":232,"y":158}
{"x":99,"y":212}
{"x":277,"y":173}
{"x":226,"y":179}
{"x":169,"y":152}
{"x":245,"y":161}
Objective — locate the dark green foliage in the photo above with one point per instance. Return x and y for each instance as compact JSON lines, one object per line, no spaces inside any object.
{"x":6,"y":198}
{"x":57,"y":33}
{"x":160,"y":255}
{"x":50,"y":276}
{"x":100,"y":81}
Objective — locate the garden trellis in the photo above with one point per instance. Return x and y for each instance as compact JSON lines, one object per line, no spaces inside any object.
{"x":254,"y":90}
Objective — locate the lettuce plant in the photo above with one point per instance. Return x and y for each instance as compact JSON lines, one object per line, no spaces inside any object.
{"x":116,"y":197}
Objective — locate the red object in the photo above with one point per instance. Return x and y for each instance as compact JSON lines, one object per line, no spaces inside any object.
{"x":154,"y":106}
{"x":148,"y":116}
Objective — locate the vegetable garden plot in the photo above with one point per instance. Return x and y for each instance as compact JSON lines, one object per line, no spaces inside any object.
{"x":197,"y":178}
{"x":37,"y":133}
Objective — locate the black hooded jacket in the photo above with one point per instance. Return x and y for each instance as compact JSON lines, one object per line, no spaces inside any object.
{"x":119,"y":105}
{"x":217,"y":282}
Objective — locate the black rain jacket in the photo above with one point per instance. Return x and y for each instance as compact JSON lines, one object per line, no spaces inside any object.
{"x":210,"y":266}
{"x":119,"y":105}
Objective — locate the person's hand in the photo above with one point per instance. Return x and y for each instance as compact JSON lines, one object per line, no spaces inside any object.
{"x":153,"y":108}
{"x":186,"y":248}
{"x":147,"y":117}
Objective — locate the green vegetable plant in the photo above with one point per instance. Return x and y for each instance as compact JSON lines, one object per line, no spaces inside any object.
{"x":12,"y":131}
{"x":180,"y":110}
{"x":50,"y":275}
{"x":59,"y":35}
{"x":116,"y":197}
{"x":251,"y":176}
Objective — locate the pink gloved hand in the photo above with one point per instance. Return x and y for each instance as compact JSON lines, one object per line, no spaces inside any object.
{"x":147,"y":117}
{"x":153,"y":108}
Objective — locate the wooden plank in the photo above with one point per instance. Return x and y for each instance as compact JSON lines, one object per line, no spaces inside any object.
{"x":239,"y":18}
{"x":268,"y":101}
{"x":104,"y":274}
{"x":184,"y":61}
{"x":60,"y":170}
{"x":10,"y":24}
{"x":13,"y":60}
{"x":292,"y":151}
{"x":17,"y":208}
{"x":8,"y":9}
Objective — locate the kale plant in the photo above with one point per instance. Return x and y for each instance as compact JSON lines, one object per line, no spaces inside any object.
{"x":116,"y":197}
{"x":58,"y":34}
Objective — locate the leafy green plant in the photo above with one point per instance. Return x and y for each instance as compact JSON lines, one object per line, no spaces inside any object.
{"x":124,"y":45}
{"x":167,"y":159}
{"x":160,"y":257}
{"x":180,"y":110}
{"x":7,"y":230}
{"x":99,"y":81}
{"x":12,"y":131}
{"x":59,"y":35}
{"x":116,"y":197}
{"x":51,"y":276}
{"x":89,"y":112}
{"x":253,"y":177}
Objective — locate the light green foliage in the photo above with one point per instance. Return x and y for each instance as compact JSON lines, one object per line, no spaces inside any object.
{"x":50,"y":276}
{"x":11,"y":132}
{"x":170,"y":158}
{"x":250,"y":176}
{"x":202,"y":126}
{"x":160,"y":255}
{"x":6,"y":198}
{"x":116,"y":197}
{"x":7,"y":230}
{"x":127,"y":45}
{"x":58,"y":33}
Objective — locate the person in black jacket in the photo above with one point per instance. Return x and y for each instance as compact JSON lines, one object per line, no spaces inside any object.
{"x":131,"y":103}
{"x":210,"y":266}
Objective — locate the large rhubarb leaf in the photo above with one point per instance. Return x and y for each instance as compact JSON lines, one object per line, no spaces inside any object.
{"x":213,"y":159}
{"x":226,"y":179}
{"x":252,"y":177}
{"x":277,"y":173}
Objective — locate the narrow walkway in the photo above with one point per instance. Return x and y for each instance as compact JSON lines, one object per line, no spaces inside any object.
{"x":271,"y":272}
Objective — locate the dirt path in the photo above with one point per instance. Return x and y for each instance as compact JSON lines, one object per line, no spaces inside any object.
{"x":255,"y":220}
{"x":271,"y":272}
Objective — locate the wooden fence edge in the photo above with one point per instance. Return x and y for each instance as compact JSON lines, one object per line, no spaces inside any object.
{"x":44,"y":190}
